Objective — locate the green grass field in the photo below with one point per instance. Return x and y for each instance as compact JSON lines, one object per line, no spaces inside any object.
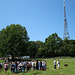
{"x":64,"y":70}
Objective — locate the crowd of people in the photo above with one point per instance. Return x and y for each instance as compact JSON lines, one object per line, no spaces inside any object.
{"x":23,"y":66}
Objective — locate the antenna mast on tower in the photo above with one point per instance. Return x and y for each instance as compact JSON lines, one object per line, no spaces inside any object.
{"x":66,"y":33}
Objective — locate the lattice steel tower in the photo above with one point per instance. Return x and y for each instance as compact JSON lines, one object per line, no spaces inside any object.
{"x":66,"y":33}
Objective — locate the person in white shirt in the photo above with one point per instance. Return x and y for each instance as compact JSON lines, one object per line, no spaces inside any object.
{"x":43,"y":64}
{"x":58,"y":64}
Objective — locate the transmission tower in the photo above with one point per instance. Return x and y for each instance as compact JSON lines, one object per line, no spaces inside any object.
{"x":66,"y":33}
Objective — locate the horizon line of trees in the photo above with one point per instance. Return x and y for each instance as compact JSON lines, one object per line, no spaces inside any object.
{"x":14,"y":40}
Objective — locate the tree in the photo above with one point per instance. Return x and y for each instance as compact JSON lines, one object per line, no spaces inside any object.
{"x":71,"y":47}
{"x":32,"y":49}
{"x":52,"y":45}
{"x":13,"y":40}
{"x":40,"y":49}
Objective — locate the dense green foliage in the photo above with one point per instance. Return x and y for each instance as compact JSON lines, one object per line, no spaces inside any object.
{"x":52,"y":47}
{"x":14,"y":40}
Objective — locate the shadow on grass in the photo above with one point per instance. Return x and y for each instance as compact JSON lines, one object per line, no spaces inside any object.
{"x":48,"y":68}
{"x":32,"y":73}
{"x":61,"y":68}
{"x":35,"y":73}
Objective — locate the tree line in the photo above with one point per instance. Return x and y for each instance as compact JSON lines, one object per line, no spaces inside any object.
{"x":14,"y":40}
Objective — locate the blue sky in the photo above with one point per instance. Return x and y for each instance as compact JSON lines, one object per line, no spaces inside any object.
{"x":40,"y":17}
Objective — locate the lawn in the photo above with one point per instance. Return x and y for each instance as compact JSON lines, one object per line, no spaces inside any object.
{"x":64,"y":70}
{"x":1,"y":61}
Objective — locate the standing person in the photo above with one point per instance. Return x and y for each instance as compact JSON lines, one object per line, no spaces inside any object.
{"x":12,"y":67}
{"x":16,"y":65}
{"x":58,"y":64}
{"x":0,"y":67}
{"x":54,"y":64}
{"x":24,"y":65}
{"x":33,"y":65}
{"x":45,"y":65}
{"x":5,"y":67}
{"x":39,"y":65}
{"x":27,"y":67}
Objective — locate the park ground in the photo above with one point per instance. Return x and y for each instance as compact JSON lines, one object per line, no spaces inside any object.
{"x":64,"y":70}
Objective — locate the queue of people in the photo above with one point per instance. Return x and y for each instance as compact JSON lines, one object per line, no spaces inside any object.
{"x":24,"y":66}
